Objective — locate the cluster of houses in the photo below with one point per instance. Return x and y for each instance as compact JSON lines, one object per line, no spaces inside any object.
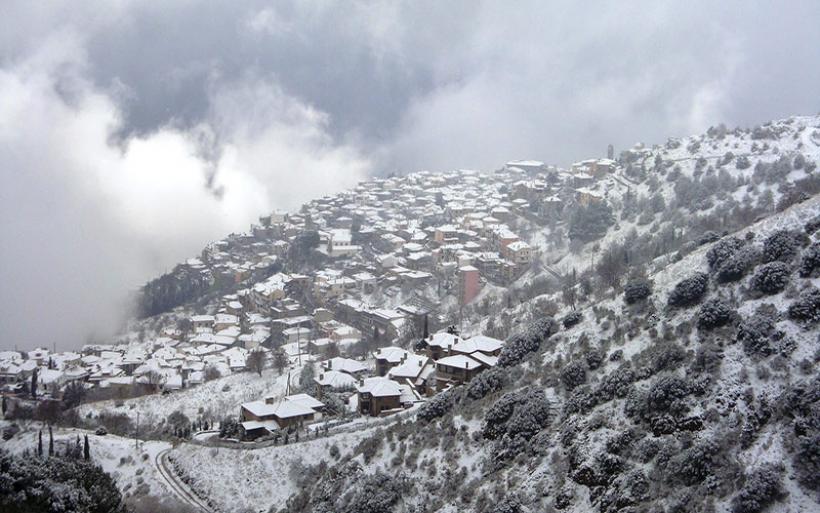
{"x":367,"y":265}
{"x":391,"y":380}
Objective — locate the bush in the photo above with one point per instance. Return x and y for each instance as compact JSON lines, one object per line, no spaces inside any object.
{"x":594,"y":359}
{"x":667,"y":357}
{"x":771,"y":278}
{"x":807,"y":461}
{"x":572,"y":319}
{"x":440,"y":405}
{"x":519,"y":414}
{"x":574,"y":374}
{"x":763,"y":487}
{"x":806,"y":308}
{"x":690,"y":291}
{"x":810,"y":263}
{"x":714,"y":314}
{"x":615,"y":384}
{"x":708,"y":237}
{"x":520,"y":346}
{"x":590,"y":223}
{"x":33,"y":485}
{"x":757,"y":333}
{"x":695,"y":464}
{"x":812,"y":225}
{"x":737,"y":265}
{"x":581,"y":400}
{"x":637,"y":290}
{"x":486,"y":383}
{"x":721,"y":251}
{"x":781,"y":246}
{"x":666,"y":394}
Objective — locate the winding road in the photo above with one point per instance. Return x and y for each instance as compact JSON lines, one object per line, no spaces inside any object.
{"x":179,"y":488}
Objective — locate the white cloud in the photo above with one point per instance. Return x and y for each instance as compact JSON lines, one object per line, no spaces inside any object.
{"x":88,"y":218}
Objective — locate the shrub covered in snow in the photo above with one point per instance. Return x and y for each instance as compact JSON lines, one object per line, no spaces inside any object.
{"x":666,"y":395}
{"x":56,"y":484}
{"x":372,"y":493}
{"x":581,"y":400}
{"x":782,"y":246}
{"x":572,"y":319}
{"x":637,"y":290}
{"x":615,"y":384}
{"x":520,"y":346}
{"x":594,"y":358}
{"x":574,"y":374}
{"x":763,"y":487}
{"x":806,"y":308}
{"x":689,"y":291}
{"x":667,"y":356}
{"x":721,"y":251}
{"x":486,"y":383}
{"x":812,"y":225}
{"x":757,"y":334}
{"x":737,"y":265}
{"x":695,"y":464}
{"x":807,"y":460}
{"x":440,"y":405}
{"x":771,"y":278}
{"x":714,"y":314}
{"x":810,"y":263}
{"x":517,"y":414}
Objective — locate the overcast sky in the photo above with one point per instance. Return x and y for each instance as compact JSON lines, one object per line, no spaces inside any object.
{"x":134,"y":132}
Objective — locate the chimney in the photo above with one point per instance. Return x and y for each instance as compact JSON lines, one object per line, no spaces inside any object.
{"x":330,"y":364}
{"x":467,"y":364}
{"x":420,"y":362}
{"x":321,"y":376}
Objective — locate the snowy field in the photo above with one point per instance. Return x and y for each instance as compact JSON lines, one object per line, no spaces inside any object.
{"x":132,"y":468}
{"x":255,"y":480}
{"x":214,"y":399}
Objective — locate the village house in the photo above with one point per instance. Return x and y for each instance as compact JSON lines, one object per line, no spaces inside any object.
{"x":389,"y":357}
{"x":455,"y":370}
{"x":379,"y":395}
{"x":263,"y":417}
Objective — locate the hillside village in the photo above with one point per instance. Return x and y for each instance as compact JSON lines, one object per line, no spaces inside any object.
{"x":358,"y":275}
{"x":439,"y":316}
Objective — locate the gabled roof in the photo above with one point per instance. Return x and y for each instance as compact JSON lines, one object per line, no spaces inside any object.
{"x":380,"y":387}
{"x":459,"y":361}
{"x":478,"y":343}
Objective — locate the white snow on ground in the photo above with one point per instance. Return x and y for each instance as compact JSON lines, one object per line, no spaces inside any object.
{"x":239,"y":480}
{"x":132,"y":468}
{"x":215,"y":399}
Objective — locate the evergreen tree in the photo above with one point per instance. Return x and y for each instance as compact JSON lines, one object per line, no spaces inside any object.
{"x":426,"y":333}
{"x":40,"y":444}
{"x":86,"y":449}
{"x":33,"y":387}
{"x":50,"y":442}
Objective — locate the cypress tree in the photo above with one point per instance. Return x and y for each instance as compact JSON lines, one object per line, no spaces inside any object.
{"x":40,"y":444}
{"x":426,"y":328}
{"x":34,"y":384}
{"x":50,"y":442}
{"x":86,"y":449}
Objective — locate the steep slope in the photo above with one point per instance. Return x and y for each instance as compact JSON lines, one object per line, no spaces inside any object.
{"x":642,"y":407}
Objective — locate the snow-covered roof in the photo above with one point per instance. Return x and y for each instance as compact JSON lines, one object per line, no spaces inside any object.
{"x":481,"y":343}
{"x":459,"y":361}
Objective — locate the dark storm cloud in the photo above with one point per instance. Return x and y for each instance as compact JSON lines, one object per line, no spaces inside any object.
{"x":118,"y":120}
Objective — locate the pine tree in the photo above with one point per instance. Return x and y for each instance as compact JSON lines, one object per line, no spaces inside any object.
{"x":86,"y":449}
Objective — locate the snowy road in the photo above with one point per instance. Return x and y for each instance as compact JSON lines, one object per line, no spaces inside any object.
{"x":179,"y":488}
